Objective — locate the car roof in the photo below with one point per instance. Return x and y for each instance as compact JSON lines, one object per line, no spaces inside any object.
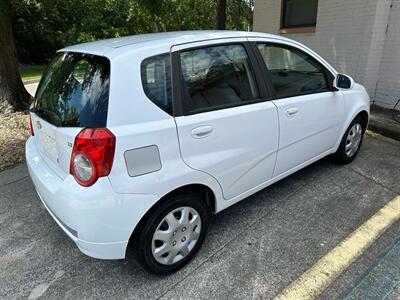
{"x":103,"y":47}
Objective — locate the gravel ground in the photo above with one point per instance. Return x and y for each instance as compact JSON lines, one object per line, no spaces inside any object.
{"x":14,"y":130}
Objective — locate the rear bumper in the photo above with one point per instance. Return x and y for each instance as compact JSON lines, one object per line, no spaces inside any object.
{"x":96,"y":218}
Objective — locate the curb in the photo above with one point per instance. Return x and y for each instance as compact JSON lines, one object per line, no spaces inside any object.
{"x":383,"y":130}
{"x":30,"y":81}
{"x":382,"y":122}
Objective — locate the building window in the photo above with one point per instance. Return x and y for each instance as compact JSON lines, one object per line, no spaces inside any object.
{"x":299,"y":16}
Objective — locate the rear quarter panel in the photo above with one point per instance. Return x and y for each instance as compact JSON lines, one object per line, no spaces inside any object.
{"x":173,"y":174}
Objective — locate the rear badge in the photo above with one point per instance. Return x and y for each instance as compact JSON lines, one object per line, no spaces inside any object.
{"x":38,"y":124}
{"x":69,"y":144}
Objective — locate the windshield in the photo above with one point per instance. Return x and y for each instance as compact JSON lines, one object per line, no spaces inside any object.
{"x":74,"y":91}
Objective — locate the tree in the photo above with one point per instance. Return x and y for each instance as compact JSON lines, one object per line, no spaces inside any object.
{"x":239,"y":14}
{"x":41,"y":27}
{"x":220,"y":16}
{"x":13,"y":95}
{"x":236,"y":13}
{"x":154,"y":7}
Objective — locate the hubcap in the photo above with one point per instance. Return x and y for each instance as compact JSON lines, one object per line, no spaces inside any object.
{"x":353,"y":139}
{"x":176,"y":235}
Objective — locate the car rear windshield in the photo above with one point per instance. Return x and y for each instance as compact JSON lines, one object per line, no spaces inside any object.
{"x":74,"y":91}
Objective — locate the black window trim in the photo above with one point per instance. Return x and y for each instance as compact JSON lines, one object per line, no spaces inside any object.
{"x":329,"y":76}
{"x":181,"y":98}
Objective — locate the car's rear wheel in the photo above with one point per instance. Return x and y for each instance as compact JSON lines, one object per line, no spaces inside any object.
{"x":172,"y":234}
{"x":351,"y":142}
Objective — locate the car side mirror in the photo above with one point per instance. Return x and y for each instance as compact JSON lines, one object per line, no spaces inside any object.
{"x":343,"y":82}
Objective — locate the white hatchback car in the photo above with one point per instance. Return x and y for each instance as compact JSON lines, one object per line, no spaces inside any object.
{"x":137,"y":140}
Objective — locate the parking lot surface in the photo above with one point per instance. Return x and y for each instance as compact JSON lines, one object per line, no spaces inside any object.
{"x":253,"y":250}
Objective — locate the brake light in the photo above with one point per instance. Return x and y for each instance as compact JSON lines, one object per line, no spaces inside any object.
{"x":30,"y":126}
{"x":92,"y":155}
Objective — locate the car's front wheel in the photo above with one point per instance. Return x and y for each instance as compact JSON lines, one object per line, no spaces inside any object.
{"x":172,"y":234}
{"x":351,"y":142}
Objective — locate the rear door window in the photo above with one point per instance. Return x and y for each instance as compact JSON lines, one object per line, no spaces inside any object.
{"x":217,"y":77}
{"x":74,"y":91}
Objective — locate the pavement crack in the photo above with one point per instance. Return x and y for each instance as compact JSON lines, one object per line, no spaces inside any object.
{"x":372,"y":179}
{"x":16,"y":180}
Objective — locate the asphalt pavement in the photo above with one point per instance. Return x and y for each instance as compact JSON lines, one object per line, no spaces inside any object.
{"x":253,"y":250}
{"x":31,"y":87}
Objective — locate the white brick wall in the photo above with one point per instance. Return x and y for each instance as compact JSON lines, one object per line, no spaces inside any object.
{"x":351,"y":35}
{"x":388,"y":86}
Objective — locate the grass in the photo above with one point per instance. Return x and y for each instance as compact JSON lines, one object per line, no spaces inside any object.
{"x":14,"y":130}
{"x":29,"y":72}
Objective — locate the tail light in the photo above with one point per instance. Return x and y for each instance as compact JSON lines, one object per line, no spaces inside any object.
{"x":30,"y":126}
{"x":92,"y":155}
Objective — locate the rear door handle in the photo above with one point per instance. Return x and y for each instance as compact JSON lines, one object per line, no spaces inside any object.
{"x":202,"y":131}
{"x":290,"y":112}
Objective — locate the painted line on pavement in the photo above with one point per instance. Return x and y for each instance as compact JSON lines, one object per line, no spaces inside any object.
{"x":316,"y":279}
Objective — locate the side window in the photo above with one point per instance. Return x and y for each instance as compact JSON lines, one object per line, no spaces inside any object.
{"x":217,"y":77}
{"x":293,"y":72}
{"x":156,"y":80}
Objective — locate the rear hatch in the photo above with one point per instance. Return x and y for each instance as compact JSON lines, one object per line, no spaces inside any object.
{"x":72,"y":95}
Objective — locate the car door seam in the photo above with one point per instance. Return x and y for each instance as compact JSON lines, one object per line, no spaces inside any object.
{"x":279,"y":137}
{"x":253,"y":166}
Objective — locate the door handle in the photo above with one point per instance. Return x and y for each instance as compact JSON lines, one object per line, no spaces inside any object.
{"x":202,"y":131}
{"x":290,"y":112}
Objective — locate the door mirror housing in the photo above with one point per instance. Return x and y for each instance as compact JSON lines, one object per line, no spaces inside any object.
{"x":343,"y":81}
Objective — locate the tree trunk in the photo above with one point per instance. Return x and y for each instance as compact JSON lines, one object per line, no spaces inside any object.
{"x":236,"y":14}
{"x":13,"y":95}
{"x":220,"y":16}
{"x":154,"y":23}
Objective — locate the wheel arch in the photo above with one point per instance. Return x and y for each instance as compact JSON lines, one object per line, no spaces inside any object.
{"x":204,"y":191}
{"x":364,"y":116}
{"x":363,"y":112}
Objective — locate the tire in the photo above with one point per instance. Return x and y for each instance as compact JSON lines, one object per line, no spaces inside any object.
{"x":179,"y":239}
{"x":343,"y":155}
